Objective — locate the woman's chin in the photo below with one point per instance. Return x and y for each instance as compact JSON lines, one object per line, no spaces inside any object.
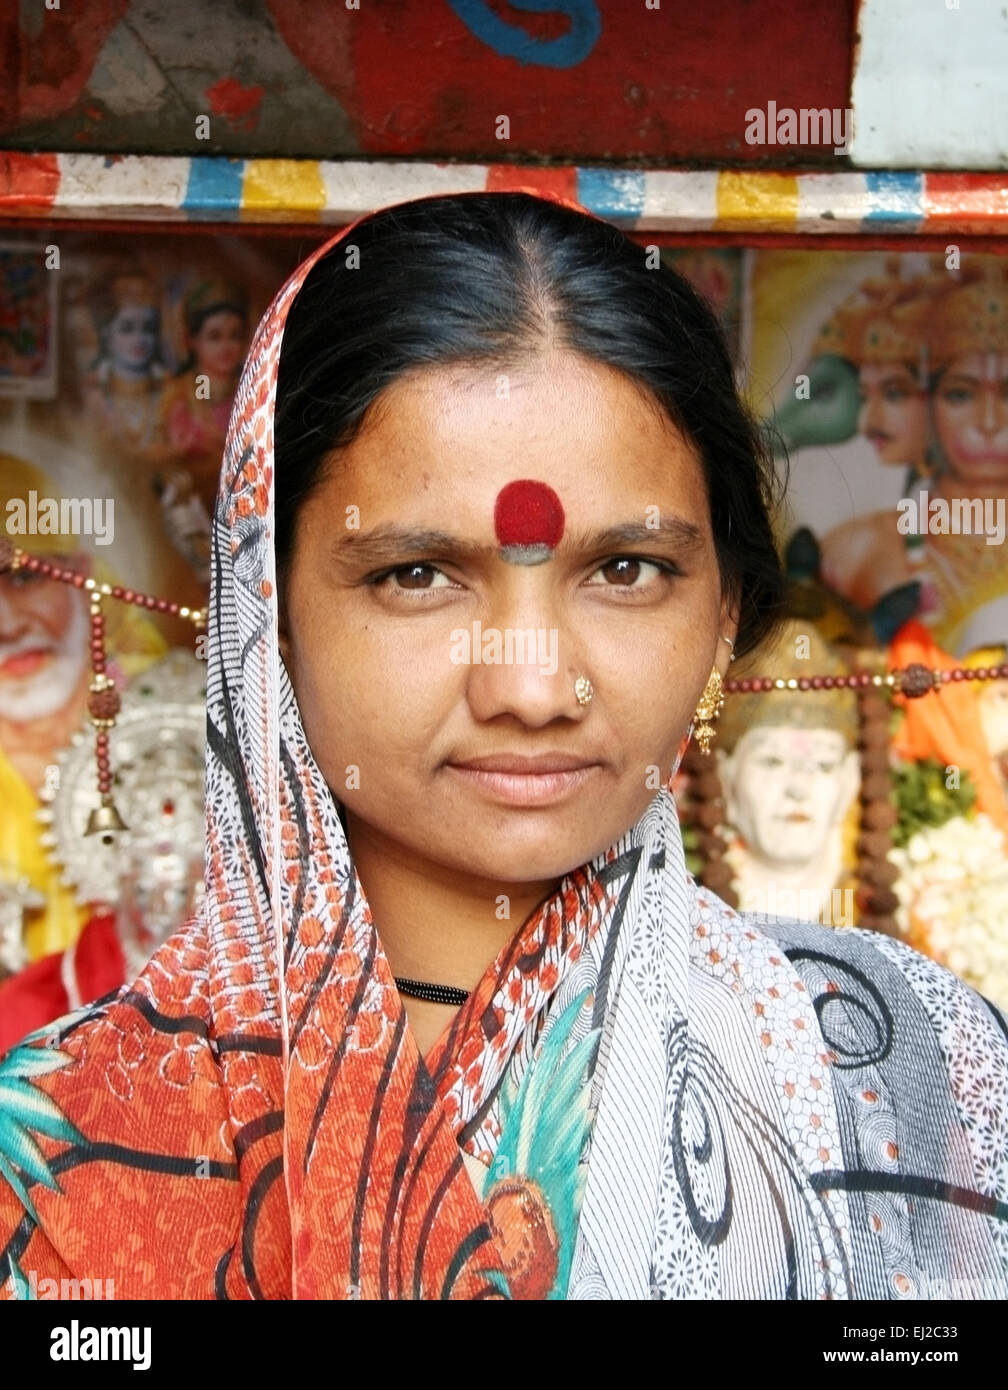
{"x":541,"y":857}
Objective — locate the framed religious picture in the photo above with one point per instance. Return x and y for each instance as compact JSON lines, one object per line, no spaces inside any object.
{"x":28,"y":317}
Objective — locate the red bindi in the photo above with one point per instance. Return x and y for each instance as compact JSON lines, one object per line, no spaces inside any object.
{"x":528,"y":521}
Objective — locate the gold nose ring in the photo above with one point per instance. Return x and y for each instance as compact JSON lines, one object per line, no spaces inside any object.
{"x":584,"y":690}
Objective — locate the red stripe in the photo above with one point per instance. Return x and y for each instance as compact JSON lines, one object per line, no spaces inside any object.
{"x":978,"y":200}
{"x":28,"y":182}
{"x":511,"y":178}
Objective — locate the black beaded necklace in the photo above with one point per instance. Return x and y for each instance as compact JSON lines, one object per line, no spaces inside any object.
{"x":433,"y":994}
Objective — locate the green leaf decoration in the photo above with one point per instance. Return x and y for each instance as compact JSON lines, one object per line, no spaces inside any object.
{"x":497,"y":1279}
{"x":25,"y":1111}
{"x":924,"y":800}
{"x":544,"y":1126}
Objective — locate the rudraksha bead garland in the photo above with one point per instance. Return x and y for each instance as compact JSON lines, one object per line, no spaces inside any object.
{"x":703,"y":806}
{"x":104,"y":701}
{"x":874,"y":897}
{"x":912,"y":681}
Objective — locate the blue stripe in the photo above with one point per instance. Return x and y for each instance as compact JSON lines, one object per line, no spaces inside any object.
{"x":894,"y":197}
{"x":214,"y":187}
{"x":615,"y":194}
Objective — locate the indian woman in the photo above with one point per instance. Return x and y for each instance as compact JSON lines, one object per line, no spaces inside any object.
{"x":453,"y":1020}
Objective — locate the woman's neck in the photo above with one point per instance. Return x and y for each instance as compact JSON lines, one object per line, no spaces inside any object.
{"x":434,"y":923}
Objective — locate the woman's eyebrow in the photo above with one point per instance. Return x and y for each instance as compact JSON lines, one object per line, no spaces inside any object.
{"x":387,"y":543}
{"x":683,"y":534}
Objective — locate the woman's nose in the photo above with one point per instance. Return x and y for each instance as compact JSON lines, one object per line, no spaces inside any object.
{"x":522,"y":662}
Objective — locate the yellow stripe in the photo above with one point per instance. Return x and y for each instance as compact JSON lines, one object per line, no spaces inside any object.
{"x":757,"y":198}
{"x":283,"y":185}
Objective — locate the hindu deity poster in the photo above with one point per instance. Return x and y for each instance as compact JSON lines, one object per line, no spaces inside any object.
{"x":884,"y":379}
{"x":119,"y":357}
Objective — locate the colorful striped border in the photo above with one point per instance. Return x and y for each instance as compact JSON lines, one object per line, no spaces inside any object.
{"x":143,"y":187}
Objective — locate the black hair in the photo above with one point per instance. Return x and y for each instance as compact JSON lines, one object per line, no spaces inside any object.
{"x":489,"y":278}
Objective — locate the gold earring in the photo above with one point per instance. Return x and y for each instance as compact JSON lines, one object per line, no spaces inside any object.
{"x":708,"y":709}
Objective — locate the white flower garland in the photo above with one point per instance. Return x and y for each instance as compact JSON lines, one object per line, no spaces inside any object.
{"x":953,"y":892}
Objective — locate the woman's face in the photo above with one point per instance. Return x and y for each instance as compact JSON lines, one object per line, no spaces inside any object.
{"x":219,"y":345}
{"x":383,"y":631}
{"x":894,"y":412}
{"x":971,"y":417}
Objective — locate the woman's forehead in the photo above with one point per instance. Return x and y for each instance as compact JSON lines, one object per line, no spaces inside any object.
{"x":579,"y":427}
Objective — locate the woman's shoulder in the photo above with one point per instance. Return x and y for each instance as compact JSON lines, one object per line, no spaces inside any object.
{"x":893,"y":968}
{"x":893,"y":1027}
{"x":845,"y":959}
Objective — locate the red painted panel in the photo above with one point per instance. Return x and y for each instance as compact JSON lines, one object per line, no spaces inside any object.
{"x":670,"y":83}
{"x":587,"y":80}
{"x":58,"y":52}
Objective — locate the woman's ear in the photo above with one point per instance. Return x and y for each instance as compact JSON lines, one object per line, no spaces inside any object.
{"x":728,"y":621}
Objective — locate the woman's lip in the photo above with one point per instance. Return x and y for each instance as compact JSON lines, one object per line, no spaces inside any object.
{"x":526,"y":788}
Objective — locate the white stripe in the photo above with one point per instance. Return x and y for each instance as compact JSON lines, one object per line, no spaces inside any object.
{"x":132,"y":186}
{"x":678,"y":201}
{"x":831,"y":202}
{"x":355,"y":187}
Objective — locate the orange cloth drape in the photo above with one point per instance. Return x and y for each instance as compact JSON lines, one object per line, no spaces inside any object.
{"x":944,"y":724}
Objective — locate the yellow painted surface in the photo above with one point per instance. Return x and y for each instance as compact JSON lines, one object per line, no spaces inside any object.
{"x":748,"y":198}
{"x":283,"y":185}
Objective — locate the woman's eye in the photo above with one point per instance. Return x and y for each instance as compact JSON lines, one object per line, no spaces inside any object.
{"x":624,"y":572}
{"x":414,"y":578}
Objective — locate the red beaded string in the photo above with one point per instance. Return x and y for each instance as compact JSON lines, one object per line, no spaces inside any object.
{"x":11,"y":558}
{"x":912,"y":681}
{"x":103,"y":701}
